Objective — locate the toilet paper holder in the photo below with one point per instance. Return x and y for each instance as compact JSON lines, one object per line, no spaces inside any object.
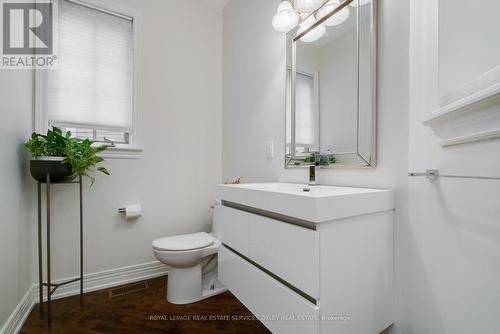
{"x":132,"y":211}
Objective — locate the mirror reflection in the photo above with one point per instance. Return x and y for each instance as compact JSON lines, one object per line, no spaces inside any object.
{"x":330,"y":85}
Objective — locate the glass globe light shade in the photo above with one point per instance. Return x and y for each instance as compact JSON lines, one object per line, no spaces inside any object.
{"x":286,"y":17}
{"x":284,"y":5}
{"x":314,"y":34}
{"x":307,"y":6}
{"x":338,"y":18}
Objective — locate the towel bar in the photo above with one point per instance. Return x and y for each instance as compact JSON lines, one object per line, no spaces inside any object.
{"x":434,"y":174}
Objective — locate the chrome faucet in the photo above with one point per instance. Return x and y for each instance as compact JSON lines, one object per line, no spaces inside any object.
{"x":312,"y":175}
{"x":312,"y":169}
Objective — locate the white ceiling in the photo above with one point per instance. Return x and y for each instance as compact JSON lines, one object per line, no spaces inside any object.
{"x":219,"y":4}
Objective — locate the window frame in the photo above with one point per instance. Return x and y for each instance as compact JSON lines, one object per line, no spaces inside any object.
{"x":314,"y":74}
{"x":132,"y":150}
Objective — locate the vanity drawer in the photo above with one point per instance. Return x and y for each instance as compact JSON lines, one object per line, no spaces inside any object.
{"x":275,"y":305}
{"x":288,"y":251}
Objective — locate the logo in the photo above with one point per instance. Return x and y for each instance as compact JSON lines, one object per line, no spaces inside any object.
{"x":27,"y":35}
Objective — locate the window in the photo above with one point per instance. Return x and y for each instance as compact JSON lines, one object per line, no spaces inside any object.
{"x":306,"y":118}
{"x":92,"y":92}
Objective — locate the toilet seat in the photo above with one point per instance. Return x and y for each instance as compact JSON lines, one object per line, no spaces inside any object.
{"x":184,"y":242}
{"x":183,"y":254}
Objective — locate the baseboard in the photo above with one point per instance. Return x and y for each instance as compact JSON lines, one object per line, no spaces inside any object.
{"x":92,"y":282}
{"x":19,"y":315}
{"x":106,"y":279}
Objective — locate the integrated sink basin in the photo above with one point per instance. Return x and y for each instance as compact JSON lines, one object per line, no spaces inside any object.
{"x":315,"y":204}
{"x":316,"y":253}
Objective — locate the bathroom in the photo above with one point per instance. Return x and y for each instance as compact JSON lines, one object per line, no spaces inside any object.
{"x":207,"y":99}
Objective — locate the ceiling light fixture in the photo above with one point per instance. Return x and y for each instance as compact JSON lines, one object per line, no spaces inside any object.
{"x":338,"y":18}
{"x":306,"y":13}
{"x":308,"y":6}
{"x":314,"y":34}
{"x":286,"y":17}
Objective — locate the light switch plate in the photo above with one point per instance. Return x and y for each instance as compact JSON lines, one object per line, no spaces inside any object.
{"x":270,"y":149}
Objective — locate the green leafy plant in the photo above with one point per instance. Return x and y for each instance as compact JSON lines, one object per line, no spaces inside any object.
{"x":53,"y":144}
{"x":323,"y":160}
{"x":80,"y":154}
{"x":310,"y":159}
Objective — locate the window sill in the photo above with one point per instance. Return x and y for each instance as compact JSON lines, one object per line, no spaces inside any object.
{"x":122,"y":153}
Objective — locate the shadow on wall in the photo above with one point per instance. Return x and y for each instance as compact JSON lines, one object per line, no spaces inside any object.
{"x":26,"y":209}
{"x":23,"y":157}
{"x":453,"y":244}
{"x":466,"y":219}
{"x":430,"y":317}
{"x":414,"y":277}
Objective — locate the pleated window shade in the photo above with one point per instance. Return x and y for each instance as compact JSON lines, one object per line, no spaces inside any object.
{"x":305,"y":109}
{"x":93,"y":85}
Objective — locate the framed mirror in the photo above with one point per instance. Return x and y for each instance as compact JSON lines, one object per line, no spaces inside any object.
{"x":331,"y":86}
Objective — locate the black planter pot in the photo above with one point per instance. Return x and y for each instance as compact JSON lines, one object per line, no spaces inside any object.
{"x":58,"y":171}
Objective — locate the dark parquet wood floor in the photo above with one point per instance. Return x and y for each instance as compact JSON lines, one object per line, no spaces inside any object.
{"x":146,"y":312}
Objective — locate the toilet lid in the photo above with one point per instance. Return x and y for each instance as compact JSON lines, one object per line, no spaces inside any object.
{"x":184,"y":242}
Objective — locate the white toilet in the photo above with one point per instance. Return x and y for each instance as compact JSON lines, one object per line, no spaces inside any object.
{"x":192,"y":274}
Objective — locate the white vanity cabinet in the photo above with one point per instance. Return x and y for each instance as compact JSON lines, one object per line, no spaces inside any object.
{"x":309,"y":262}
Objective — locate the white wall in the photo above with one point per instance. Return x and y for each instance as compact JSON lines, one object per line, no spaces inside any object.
{"x":452,"y":253}
{"x":181,"y":134}
{"x":473,"y":43}
{"x":15,"y":189}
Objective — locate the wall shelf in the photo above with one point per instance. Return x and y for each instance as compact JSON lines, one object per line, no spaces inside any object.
{"x":470,"y":119}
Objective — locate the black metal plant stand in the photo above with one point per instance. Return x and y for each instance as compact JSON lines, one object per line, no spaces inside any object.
{"x":52,"y":287}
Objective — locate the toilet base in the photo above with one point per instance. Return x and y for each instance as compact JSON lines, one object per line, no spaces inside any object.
{"x":186,"y":285}
{"x":211,"y":285}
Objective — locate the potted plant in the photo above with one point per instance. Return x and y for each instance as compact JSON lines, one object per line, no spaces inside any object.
{"x":63,"y":157}
{"x":324,"y":160}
